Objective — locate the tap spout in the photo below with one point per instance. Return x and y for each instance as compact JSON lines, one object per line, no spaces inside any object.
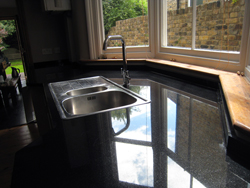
{"x":125,"y":74}
{"x":117,"y":37}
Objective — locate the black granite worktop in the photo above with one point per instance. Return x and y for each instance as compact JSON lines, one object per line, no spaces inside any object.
{"x":175,"y":141}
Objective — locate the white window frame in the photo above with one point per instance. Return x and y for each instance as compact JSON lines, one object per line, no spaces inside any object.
{"x":96,"y":36}
{"x":221,"y":59}
{"x":247,"y":45}
{"x":247,"y":68}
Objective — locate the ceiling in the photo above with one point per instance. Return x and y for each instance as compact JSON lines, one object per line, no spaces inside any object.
{"x":7,"y":3}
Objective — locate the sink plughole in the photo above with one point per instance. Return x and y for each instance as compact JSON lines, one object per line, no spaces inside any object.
{"x":93,"y":95}
{"x":95,"y":103}
{"x":86,"y":90}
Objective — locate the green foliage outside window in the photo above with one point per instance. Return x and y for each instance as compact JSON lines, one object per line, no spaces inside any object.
{"x":234,"y":1}
{"x":8,"y":25}
{"x":7,"y":29}
{"x":114,"y":10}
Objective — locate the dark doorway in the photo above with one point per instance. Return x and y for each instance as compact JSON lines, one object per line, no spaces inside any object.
{"x":14,"y":111}
{"x":10,"y":46}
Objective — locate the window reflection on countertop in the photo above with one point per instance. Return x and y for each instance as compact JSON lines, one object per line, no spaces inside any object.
{"x":172,"y":142}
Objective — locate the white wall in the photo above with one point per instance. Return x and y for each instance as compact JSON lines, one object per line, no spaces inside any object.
{"x":79,"y":26}
{"x":8,"y":8}
{"x":9,"y":11}
{"x":46,"y":30}
{"x":50,"y":30}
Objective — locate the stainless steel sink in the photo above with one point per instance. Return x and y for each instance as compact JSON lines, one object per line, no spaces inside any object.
{"x":86,"y":102}
{"x":99,"y":102}
{"x":93,"y":95}
{"x":86,"y":90}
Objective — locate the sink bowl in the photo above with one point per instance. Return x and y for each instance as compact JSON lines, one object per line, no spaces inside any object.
{"x":86,"y":90}
{"x":96,"y":103}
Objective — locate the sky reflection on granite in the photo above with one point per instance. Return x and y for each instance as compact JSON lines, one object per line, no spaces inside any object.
{"x":138,"y":159}
{"x":177,"y":137}
{"x":171,"y":124}
{"x":140,"y":119}
{"x":178,"y":177}
{"x":134,"y":158}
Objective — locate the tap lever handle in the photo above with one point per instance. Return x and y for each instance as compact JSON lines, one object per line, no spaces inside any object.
{"x":127,"y":75}
{"x":121,"y":71}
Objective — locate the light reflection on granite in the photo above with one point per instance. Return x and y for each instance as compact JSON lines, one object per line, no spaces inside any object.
{"x":184,"y":179}
{"x":140,"y":118}
{"x":181,"y":143}
{"x":138,"y":161}
{"x":171,"y":123}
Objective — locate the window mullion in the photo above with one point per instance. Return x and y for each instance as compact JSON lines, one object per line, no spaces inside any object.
{"x":94,"y":26}
{"x":194,"y":25}
{"x":164,"y":38}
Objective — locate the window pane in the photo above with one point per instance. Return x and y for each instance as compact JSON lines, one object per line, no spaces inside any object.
{"x":219,"y":25}
{"x":127,"y":18}
{"x":198,"y":2}
{"x":177,"y":23}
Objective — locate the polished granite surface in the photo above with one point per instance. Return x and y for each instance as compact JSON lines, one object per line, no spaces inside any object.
{"x":236,"y":88}
{"x":175,"y":141}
